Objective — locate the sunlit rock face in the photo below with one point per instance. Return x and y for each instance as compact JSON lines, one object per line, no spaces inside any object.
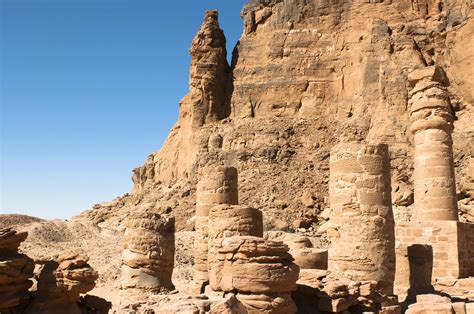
{"x":304,"y":76}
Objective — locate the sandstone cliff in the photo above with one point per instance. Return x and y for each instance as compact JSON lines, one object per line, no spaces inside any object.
{"x":304,"y":76}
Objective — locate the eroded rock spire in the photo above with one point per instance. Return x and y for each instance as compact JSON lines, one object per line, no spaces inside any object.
{"x":208,"y":73}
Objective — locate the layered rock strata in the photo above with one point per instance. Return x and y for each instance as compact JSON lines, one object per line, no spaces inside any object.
{"x":60,"y":283}
{"x":15,"y":271}
{"x":227,"y":221}
{"x":363,"y":240}
{"x":148,"y":254}
{"x":208,"y":73}
{"x":301,"y":80}
{"x":432,"y":118}
{"x":260,"y":271}
{"x":217,"y":185}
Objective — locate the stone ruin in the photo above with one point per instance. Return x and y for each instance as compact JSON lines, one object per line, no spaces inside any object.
{"x":148,"y":255}
{"x":260,"y":272}
{"x":217,"y":186}
{"x":361,"y":259}
{"x":435,"y":252}
{"x":363,"y":235}
{"x":250,"y":273}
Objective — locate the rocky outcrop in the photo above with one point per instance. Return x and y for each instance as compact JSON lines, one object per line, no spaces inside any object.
{"x":206,"y":100}
{"x":304,"y":76}
{"x":148,"y":255}
{"x":15,"y":271}
{"x":466,"y":205}
{"x":206,"y":103}
{"x":60,"y":283}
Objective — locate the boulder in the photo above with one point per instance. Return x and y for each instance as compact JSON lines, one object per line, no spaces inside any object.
{"x":60,"y":283}
{"x":15,"y":270}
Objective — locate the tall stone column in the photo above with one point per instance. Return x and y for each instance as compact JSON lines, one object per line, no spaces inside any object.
{"x":218,"y":185}
{"x":363,"y":240}
{"x":432,"y":119}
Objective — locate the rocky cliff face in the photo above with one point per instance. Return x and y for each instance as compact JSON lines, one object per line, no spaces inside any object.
{"x":305,"y":75}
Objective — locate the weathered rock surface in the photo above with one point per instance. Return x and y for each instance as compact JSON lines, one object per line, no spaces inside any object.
{"x":432,"y":303}
{"x":60,"y":283}
{"x":148,"y":254}
{"x":15,"y":271}
{"x":228,"y":221}
{"x":255,"y":303}
{"x":362,"y":223}
{"x":305,"y":255}
{"x":254,"y":265}
{"x":320,"y":291}
{"x":217,"y":185}
{"x":431,"y":116}
{"x":304,"y":75}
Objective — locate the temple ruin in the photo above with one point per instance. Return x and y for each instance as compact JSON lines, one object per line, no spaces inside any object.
{"x":363,"y":241}
{"x":148,"y":254}
{"x":217,"y":186}
{"x":227,"y":221}
{"x":435,"y":252}
{"x":432,"y":118}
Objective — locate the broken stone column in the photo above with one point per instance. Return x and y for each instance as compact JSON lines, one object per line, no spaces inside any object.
{"x":148,"y":255}
{"x":217,"y":185}
{"x":306,"y":256}
{"x":227,"y":221}
{"x":363,"y":241}
{"x":15,"y":271}
{"x":432,"y":119}
{"x":260,"y":271}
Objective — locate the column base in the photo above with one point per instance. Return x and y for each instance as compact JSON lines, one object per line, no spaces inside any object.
{"x":431,"y":252}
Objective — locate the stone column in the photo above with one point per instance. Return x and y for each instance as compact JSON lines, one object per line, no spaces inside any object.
{"x":363,"y":240}
{"x":217,"y":185}
{"x":261,"y":272}
{"x":148,"y":255}
{"x":227,"y":221}
{"x":432,"y":119}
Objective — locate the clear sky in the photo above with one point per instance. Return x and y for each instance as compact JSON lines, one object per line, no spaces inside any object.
{"x":88,"y":89}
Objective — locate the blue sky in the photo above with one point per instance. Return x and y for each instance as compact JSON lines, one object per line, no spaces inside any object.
{"x":88,"y":89}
